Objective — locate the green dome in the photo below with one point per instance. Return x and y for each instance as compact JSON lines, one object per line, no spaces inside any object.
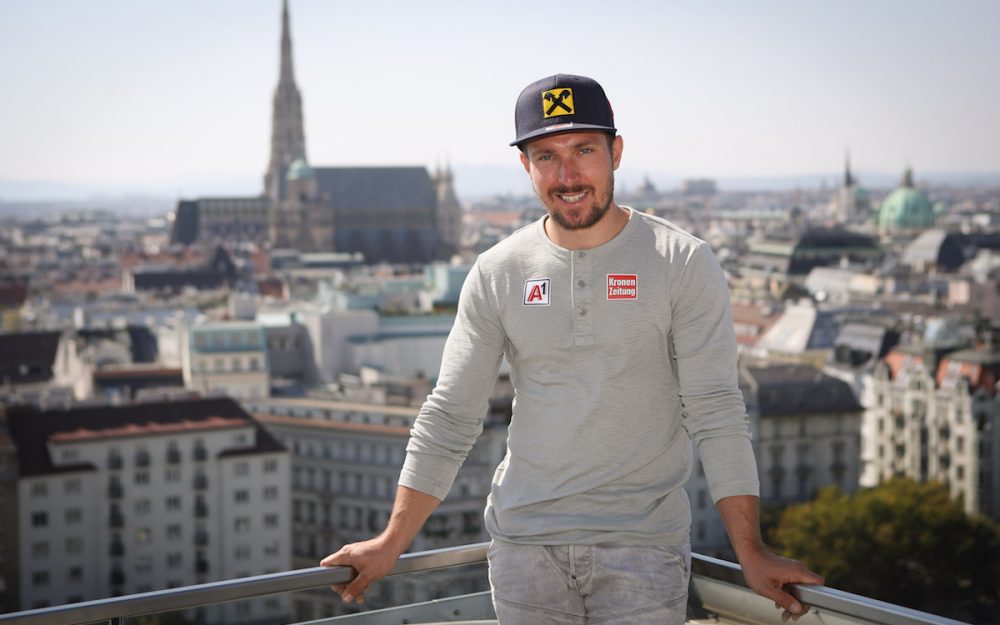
{"x":299,"y":169}
{"x":906,"y":208}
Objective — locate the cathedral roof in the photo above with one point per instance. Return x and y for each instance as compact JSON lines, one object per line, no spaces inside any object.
{"x":377,"y":188}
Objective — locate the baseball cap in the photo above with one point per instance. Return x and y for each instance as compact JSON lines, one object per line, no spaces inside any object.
{"x":561,"y":103}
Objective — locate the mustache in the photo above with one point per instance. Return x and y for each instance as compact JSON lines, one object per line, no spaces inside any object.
{"x":570,"y":190}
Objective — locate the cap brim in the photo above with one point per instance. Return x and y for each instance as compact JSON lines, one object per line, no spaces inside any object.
{"x":558,"y":129}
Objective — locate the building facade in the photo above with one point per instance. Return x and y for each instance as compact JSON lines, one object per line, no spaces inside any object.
{"x":938,"y":419}
{"x":128,"y":499}
{"x":227,"y":356}
{"x":346,"y":459}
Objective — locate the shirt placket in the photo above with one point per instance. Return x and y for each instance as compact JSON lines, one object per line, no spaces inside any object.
{"x":583,"y":298}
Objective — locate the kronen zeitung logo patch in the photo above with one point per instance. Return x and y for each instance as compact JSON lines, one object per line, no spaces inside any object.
{"x":623,"y":286}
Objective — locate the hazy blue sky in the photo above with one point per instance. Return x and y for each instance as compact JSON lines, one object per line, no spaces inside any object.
{"x":164,"y":95}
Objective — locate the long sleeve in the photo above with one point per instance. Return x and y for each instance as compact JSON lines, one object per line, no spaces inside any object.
{"x":452,"y":417}
{"x":713,"y":410}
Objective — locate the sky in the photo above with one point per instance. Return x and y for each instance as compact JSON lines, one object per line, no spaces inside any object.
{"x":175,"y":96}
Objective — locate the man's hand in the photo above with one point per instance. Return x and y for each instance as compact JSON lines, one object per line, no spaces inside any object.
{"x":767,"y":574}
{"x":371,"y":559}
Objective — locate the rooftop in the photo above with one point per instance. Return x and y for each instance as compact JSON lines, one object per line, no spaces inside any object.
{"x":33,"y":430}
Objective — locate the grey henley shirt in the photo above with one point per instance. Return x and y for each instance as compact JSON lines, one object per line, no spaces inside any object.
{"x":620,"y":356}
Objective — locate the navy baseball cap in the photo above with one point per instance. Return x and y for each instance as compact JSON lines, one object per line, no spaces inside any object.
{"x":561,"y":103}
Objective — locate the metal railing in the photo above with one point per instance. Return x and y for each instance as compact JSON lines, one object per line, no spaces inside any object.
{"x":717,"y":587}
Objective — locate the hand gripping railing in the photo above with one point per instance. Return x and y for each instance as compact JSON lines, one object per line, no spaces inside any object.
{"x":717,"y":585}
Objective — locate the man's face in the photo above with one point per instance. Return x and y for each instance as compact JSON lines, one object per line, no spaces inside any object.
{"x":573,"y":175}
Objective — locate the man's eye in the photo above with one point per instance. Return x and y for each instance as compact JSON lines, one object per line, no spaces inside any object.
{"x":586,"y":150}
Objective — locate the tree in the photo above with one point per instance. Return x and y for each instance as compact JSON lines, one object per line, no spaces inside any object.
{"x":904,"y":542}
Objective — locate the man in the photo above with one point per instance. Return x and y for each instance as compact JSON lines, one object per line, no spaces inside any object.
{"x":618,"y":330}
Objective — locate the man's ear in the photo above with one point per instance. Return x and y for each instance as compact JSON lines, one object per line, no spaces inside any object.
{"x":616,"y":151}
{"x":524,"y":161}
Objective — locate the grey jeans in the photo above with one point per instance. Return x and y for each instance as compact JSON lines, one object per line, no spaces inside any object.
{"x":574,"y":584}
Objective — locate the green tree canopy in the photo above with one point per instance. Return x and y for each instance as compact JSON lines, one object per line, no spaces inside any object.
{"x":904,"y":542}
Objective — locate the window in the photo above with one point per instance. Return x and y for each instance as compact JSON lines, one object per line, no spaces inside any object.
{"x":173,"y":531}
{"x":39,"y":489}
{"x":74,"y":544}
{"x":73,"y":516}
{"x":241,"y":468}
{"x":174,"y":559}
{"x":241,"y":496}
{"x":40,"y":519}
{"x":242,"y":552}
{"x":241,"y":524}
{"x":143,"y":506}
{"x":74,"y":574}
{"x":270,"y":466}
{"x":173,"y":474}
{"x":142,"y":477}
{"x":144,"y":564}
{"x":174,"y":502}
{"x":270,"y":492}
{"x":40,"y":578}
{"x":143,"y":535}
{"x":271,"y":520}
{"x":271,"y":549}
{"x":39,"y":549}
{"x":72,"y":487}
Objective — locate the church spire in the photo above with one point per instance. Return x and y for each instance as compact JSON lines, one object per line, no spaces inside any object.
{"x":288,"y":142}
{"x":848,"y":178}
{"x":287,"y":76}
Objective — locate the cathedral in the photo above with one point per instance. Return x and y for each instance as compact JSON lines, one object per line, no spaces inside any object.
{"x":389,"y":214}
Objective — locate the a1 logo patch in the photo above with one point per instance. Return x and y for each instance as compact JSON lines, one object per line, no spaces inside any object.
{"x":536,"y":292}
{"x":623,"y":286}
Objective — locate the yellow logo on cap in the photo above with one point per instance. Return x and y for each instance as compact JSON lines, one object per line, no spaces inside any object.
{"x":557,"y":102}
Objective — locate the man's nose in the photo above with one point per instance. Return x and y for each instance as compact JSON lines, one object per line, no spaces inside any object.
{"x":568,"y":172}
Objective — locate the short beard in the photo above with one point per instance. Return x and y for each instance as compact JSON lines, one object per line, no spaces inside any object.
{"x":598,"y":209}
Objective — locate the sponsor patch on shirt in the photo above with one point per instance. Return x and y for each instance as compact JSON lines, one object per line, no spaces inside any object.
{"x":623,"y":286}
{"x":536,"y":292}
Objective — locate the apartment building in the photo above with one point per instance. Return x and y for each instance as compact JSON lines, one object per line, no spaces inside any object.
{"x":806,"y":435}
{"x":936,"y":417}
{"x":116,"y":500}
{"x":10,"y":579}
{"x":346,"y":459}
{"x":227,"y":356}
{"x":807,"y":431}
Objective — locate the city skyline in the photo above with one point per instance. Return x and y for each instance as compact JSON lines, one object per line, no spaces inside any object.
{"x":771,"y":90}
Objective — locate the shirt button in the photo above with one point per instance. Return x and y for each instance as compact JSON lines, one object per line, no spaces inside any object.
{"x":583,"y":312}
{"x":581,"y":284}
